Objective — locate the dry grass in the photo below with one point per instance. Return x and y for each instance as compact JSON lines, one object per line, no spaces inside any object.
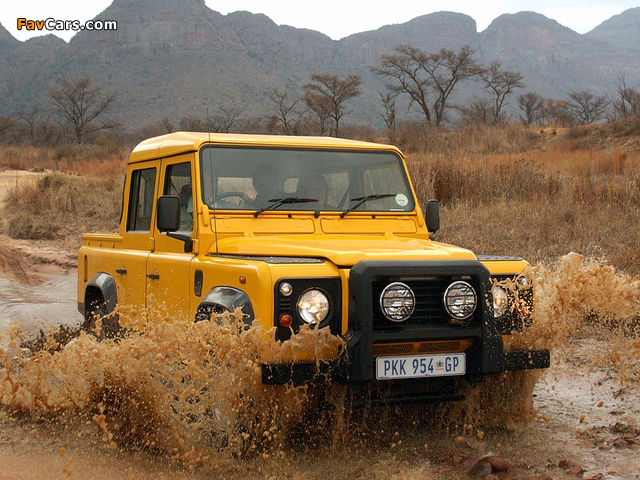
{"x":62,"y":206}
{"x":535,"y":193}
{"x":81,"y":159}
{"x":539,"y":204}
{"x":84,"y":192}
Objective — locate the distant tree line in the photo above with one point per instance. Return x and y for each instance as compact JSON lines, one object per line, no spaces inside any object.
{"x":77,"y":110}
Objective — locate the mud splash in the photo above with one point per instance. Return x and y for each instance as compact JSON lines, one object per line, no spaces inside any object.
{"x":191,"y":393}
{"x":185,"y":388}
{"x":580,"y":297}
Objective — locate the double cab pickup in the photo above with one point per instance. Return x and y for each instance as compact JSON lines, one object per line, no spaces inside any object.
{"x":314,"y":231}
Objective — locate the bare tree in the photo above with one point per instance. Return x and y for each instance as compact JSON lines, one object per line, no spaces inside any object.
{"x":51,"y":132}
{"x":5,"y":123}
{"x":624,"y":99}
{"x":288,"y":113}
{"x":478,"y":112}
{"x":390,"y":110}
{"x":557,"y":113}
{"x":32,"y":119}
{"x":532,"y":106}
{"x":586,"y":107}
{"x":501,"y":83}
{"x":330,"y":92}
{"x":224,"y":121}
{"x":78,"y":103}
{"x":321,"y":107}
{"x":161,"y":127}
{"x":429,"y":80}
{"x":166,"y":125}
{"x":192,"y":124}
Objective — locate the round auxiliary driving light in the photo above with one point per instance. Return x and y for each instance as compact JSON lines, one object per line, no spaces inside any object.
{"x":397,"y":302}
{"x":285,"y":289}
{"x":500,"y":301}
{"x":313,"y":306}
{"x":460,"y":300}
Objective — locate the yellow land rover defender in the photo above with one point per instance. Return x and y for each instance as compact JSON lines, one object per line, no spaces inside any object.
{"x":307,"y":231}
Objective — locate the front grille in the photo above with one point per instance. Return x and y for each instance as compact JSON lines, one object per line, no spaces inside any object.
{"x":393,"y":349}
{"x":428,"y":347}
{"x":383,"y":349}
{"x":429,"y":294}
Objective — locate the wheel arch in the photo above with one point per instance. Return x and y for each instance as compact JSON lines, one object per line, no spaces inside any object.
{"x":101,"y":287}
{"x":223,"y":298}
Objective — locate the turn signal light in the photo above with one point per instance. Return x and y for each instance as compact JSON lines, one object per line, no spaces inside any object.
{"x":285,"y":320}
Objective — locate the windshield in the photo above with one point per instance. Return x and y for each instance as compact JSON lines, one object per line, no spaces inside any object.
{"x":271,"y":179}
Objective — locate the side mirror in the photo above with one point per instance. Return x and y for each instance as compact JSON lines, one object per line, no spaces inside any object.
{"x":168,"y":213}
{"x":433,"y":216}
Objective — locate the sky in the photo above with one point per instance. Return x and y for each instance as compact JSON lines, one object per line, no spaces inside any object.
{"x":338,"y":18}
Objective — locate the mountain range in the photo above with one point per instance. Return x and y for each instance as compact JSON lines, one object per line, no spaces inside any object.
{"x":178,"y":57}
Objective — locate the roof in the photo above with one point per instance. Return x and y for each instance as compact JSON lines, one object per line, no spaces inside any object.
{"x":182,"y":142}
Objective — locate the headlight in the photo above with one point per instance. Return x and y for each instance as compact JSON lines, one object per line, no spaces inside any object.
{"x":500,"y":301}
{"x":397,"y":302}
{"x":460,"y":300}
{"x":313,"y":306}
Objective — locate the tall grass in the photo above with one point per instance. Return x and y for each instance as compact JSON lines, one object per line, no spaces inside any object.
{"x":62,"y":206}
{"x":81,"y":159}
{"x":509,"y":190}
{"x":538,"y":204}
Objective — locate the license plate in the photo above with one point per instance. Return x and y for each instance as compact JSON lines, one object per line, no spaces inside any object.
{"x":419,"y":366}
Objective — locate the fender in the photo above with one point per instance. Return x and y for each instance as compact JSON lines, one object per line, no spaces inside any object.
{"x":105,"y":284}
{"x":224,"y":298}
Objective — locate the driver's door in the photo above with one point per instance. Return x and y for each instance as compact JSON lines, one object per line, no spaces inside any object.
{"x":168,"y":277}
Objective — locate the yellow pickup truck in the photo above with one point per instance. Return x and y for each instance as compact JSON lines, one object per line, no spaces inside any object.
{"x":314,"y":231}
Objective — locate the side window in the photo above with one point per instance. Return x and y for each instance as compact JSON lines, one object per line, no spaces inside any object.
{"x":178,"y":182}
{"x":141,"y":198}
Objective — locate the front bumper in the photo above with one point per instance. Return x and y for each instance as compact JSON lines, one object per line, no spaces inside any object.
{"x":336,"y":371}
{"x":486,"y":356}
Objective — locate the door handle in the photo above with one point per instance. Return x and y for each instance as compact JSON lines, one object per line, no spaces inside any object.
{"x":121,"y":271}
{"x":153,"y":276}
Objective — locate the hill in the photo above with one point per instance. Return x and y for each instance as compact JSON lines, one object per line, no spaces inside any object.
{"x":177,"y":58}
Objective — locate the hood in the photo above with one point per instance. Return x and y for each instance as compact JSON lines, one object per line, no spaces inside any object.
{"x":342,"y":250}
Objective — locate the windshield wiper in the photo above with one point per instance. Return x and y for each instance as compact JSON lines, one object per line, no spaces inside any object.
{"x":281,"y":201}
{"x":361,"y":200}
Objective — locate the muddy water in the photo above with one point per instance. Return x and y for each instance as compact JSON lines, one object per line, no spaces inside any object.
{"x":185,"y":401}
{"x":39,"y":306}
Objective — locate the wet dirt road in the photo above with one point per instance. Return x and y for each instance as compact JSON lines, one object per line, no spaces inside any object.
{"x":57,"y":421}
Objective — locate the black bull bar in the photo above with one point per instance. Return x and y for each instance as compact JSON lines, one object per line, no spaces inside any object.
{"x":357,"y":366}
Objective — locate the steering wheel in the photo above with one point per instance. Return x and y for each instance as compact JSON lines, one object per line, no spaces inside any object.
{"x":224,"y":195}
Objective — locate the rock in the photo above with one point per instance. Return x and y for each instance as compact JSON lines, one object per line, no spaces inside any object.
{"x":595,"y":476}
{"x":469,"y":462}
{"x":491,"y":476}
{"x":480,"y":470}
{"x":498,"y":464}
{"x":463,"y":442}
{"x":604,"y":446}
{"x":577,"y":470}
{"x":619,"y":443}
{"x":458,"y":459}
{"x":544,"y":476}
{"x":567,"y":464}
